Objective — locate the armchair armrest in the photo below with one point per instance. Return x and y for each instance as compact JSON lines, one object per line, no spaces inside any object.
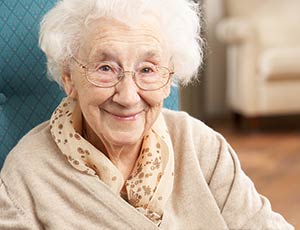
{"x":235,"y":30}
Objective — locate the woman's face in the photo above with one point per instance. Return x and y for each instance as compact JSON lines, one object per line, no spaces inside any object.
{"x":119,"y":115}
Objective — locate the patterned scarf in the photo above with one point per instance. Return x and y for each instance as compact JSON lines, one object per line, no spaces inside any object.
{"x":151,"y":182}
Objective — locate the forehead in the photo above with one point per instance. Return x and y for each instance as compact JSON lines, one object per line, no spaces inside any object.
{"x":109,"y":36}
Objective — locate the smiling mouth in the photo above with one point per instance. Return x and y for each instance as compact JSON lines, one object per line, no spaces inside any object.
{"x":125,"y":117}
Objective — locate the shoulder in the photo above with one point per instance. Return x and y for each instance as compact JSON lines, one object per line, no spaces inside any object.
{"x":31,"y":155}
{"x":27,"y":172}
{"x":192,"y":138}
{"x":31,"y":165}
{"x":35,"y":140}
{"x":182,"y":121}
{"x":181,"y":124}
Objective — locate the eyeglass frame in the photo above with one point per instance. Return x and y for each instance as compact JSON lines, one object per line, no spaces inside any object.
{"x":122,"y":75}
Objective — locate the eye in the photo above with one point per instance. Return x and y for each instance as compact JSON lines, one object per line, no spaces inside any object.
{"x":105,"y":68}
{"x":147,"y":70}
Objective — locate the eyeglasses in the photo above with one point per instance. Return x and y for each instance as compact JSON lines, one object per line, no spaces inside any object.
{"x":147,"y":77}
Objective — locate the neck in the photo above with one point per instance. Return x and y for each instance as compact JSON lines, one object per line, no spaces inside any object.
{"x":122,"y":156}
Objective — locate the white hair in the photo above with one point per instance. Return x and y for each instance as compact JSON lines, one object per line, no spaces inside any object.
{"x":61,"y":30}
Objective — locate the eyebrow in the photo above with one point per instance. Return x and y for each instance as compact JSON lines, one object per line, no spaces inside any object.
{"x":101,"y":55}
{"x":151,"y":54}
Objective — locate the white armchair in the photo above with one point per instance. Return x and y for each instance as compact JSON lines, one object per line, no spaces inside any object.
{"x":263,"y":56}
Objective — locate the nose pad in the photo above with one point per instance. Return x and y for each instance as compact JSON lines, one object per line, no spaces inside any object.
{"x":127,"y":92}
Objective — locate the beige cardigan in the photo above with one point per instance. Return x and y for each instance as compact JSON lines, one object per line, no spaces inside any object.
{"x":40,"y":190}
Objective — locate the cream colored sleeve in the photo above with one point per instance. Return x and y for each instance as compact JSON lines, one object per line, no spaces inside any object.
{"x":240,"y":204}
{"x":12,"y":217}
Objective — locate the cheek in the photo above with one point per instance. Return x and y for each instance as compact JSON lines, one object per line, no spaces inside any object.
{"x":91,"y":98}
{"x":155,"y":98}
{"x":152,"y":99}
{"x":167,"y":89}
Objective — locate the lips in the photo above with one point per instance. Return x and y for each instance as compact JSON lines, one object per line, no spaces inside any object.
{"x":125,"y":117}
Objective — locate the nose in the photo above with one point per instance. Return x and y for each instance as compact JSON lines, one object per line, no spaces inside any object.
{"x":127,"y":91}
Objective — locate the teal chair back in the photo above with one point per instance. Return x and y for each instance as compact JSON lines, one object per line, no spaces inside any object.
{"x":27,"y":97}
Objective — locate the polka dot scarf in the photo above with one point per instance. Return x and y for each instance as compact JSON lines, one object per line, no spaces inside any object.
{"x":151,"y":182}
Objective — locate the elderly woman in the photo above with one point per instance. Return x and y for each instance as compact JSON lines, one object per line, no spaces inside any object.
{"x":110,"y":157}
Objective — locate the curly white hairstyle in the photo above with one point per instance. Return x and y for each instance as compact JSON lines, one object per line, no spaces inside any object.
{"x":62,"y":27}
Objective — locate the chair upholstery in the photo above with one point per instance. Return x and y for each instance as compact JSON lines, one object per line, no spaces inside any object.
{"x":27,"y":97}
{"x":263,"y":51}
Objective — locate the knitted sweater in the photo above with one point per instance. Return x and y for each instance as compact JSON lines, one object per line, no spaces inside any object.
{"x":39,"y":189}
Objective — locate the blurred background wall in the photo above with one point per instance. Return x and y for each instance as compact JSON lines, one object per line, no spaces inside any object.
{"x":206,"y":98}
{"x":269,"y":153}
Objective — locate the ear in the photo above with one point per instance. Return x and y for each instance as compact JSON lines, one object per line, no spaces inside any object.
{"x":69,"y":85}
